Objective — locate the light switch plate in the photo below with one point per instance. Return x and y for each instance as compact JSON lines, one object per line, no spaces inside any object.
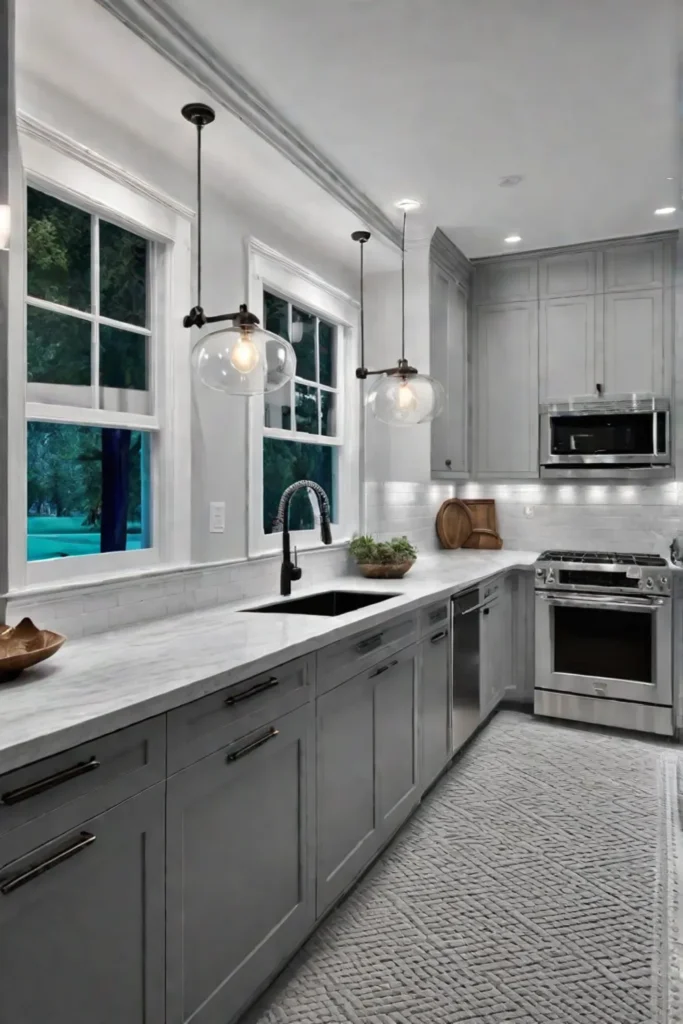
{"x":216,"y":517}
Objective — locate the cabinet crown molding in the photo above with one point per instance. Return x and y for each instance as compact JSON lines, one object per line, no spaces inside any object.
{"x":449,"y":258}
{"x":559,"y":250}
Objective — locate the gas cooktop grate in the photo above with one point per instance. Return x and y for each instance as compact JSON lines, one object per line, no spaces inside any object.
{"x":602,"y":558}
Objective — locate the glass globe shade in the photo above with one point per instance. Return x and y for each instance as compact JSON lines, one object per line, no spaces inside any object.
{"x":243,"y":361}
{"x":405,"y":401}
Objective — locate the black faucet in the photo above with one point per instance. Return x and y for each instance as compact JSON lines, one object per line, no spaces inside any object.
{"x":290,"y":570}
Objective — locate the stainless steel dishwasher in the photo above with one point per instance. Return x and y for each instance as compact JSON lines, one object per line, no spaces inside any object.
{"x":465,"y":637}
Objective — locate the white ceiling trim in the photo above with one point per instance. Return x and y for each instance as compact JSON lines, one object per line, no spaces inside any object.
{"x":600,"y":243}
{"x":45,"y":133}
{"x":176,"y":40}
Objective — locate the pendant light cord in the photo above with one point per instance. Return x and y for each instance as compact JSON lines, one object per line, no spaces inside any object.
{"x":403,"y":287}
{"x":362,"y":310}
{"x":199,"y":215}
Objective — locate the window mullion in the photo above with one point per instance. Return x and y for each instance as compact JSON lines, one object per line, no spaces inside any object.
{"x":95,"y":304}
{"x":319,"y":397}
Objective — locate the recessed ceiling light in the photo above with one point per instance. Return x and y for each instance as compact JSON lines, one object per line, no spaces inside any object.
{"x":670,"y":178}
{"x":512,"y":239}
{"x":664,"y":211}
{"x":408,"y":204}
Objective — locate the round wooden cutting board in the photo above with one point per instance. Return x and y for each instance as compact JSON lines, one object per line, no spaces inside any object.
{"x":453,"y":523}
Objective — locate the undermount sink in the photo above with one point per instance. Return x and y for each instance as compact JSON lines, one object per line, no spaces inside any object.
{"x":329,"y":602}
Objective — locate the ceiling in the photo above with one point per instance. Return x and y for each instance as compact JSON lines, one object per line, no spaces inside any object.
{"x":439,"y":99}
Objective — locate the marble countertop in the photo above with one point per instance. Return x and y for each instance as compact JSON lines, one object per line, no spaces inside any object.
{"x":105,"y":682}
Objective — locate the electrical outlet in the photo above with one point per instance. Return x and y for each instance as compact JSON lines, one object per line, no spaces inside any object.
{"x":217,"y":517}
{"x":529,"y":511}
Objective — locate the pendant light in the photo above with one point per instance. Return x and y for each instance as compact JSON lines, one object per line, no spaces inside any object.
{"x":242,"y":359}
{"x":401,"y":397}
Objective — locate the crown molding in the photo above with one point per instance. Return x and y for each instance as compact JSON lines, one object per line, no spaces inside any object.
{"x":256,"y":247}
{"x":45,"y":133}
{"x":178,"y":42}
{"x":558,"y":250}
{"x":447,"y":256}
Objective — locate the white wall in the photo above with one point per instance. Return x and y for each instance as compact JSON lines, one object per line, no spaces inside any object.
{"x":219,"y":424}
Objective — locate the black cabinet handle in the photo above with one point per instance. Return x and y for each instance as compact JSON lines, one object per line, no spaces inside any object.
{"x":383,"y":668}
{"x":438,"y":636}
{"x":449,"y":463}
{"x":246,"y":694}
{"x":85,"y":839}
{"x":486,"y":611}
{"x":243,"y":751}
{"x":15,"y":796}
{"x":370,"y":644}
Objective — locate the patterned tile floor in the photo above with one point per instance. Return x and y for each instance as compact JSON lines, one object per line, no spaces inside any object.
{"x":530,"y":888}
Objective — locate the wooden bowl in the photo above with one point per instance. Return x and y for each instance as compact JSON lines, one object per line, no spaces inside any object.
{"x":393,"y":571}
{"x":23,"y":646}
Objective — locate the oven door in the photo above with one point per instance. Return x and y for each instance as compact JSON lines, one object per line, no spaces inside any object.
{"x":600,"y":645}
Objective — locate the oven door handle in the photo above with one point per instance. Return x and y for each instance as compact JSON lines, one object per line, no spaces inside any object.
{"x":643,"y":604}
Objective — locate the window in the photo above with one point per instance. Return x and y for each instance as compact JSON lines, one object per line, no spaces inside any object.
{"x":307,"y":429}
{"x":313,"y":399}
{"x":107,"y":408}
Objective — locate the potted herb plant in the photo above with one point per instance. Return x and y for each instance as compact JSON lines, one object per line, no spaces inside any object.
{"x":383,"y":559}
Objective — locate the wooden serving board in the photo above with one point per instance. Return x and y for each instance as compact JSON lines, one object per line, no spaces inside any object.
{"x":453,"y":523}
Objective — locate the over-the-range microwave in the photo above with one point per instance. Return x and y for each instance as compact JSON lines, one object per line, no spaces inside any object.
{"x":606,"y":437}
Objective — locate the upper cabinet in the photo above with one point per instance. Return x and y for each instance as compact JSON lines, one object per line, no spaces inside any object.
{"x":566,"y":358}
{"x":509,"y":280}
{"x":636,"y":353}
{"x":506,"y":395}
{"x":448,"y":362}
{"x":570,"y":273}
{"x":632,"y":266}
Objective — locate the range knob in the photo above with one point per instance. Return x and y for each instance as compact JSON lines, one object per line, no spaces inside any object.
{"x":664,"y":582}
{"x":539,"y":573}
{"x":649,"y":583}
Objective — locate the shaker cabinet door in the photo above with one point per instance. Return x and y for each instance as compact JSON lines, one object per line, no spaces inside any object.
{"x":507,"y":390}
{"x":240,"y":879}
{"x":636,"y":358}
{"x":567,"y":364}
{"x":396,"y":710}
{"x":448,"y":364}
{"x":82,"y":922}
{"x":435,"y":709}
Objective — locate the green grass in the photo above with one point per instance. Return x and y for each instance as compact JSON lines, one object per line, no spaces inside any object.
{"x":60,"y":536}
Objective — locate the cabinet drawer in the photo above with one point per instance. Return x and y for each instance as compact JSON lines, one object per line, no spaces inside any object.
{"x":436,"y":616}
{"x":206,"y":725}
{"x":70,"y":787}
{"x":347,"y":658}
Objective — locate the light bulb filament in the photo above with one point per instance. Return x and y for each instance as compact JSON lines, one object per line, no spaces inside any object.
{"x":407,"y":401}
{"x":244,"y":354}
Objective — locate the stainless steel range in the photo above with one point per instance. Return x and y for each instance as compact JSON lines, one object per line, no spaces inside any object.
{"x":603,"y":639}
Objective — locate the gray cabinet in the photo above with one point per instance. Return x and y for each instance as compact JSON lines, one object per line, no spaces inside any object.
{"x":567,"y":273}
{"x":435,"y":705}
{"x":240,"y":883}
{"x":84,"y":939}
{"x":506,"y":352}
{"x":567,"y":358}
{"x":366,"y":778}
{"x":636,"y":356}
{"x":630,"y":266}
{"x":508,"y":280}
{"x":448,"y":364}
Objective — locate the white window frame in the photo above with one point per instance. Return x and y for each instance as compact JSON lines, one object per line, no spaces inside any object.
{"x":270,"y":271}
{"x":115,"y":196}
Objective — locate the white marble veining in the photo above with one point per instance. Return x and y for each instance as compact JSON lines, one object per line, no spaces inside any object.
{"x":101,"y":683}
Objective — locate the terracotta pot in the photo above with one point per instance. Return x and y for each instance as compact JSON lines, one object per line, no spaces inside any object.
{"x":386,"y":572}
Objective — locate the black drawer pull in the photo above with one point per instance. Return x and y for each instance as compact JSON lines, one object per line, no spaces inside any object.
{"x":439,"y":636}
{"x":370,"y":644}
{"x":86,"y":838}
{"x":383,"y":668}
{"x":246,"y":694}
{"x":270,"y":735}
{"x":15,"y":796}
